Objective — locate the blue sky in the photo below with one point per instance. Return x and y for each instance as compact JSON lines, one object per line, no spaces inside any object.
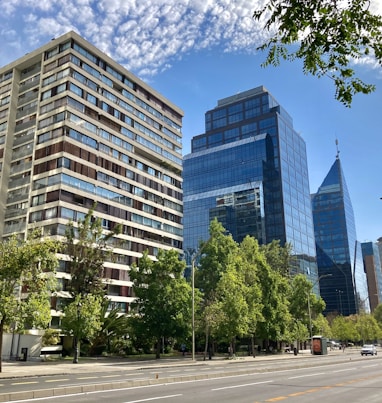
{"x":198,"y":51}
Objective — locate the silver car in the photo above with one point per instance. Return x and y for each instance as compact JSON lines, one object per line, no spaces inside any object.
{"x":368,"y":349}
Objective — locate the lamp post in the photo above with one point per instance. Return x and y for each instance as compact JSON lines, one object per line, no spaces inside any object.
{"x":309,"y":310}
{"x":193,"y":304}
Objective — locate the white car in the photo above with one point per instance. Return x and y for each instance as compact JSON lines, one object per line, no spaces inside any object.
{"x":368,"y":349}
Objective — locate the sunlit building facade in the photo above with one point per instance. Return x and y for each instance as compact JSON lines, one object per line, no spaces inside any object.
{"x":339,"y":256}
{"x":76,"y":128}
{"x":373,"y":269}
{"x":249,"y":169}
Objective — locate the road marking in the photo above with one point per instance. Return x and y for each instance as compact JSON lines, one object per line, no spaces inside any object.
{"x":277,"y":399}
{"x":88,"y":377}
{"x":111,"y":376}
{"x":306,"y":376}
{"x":24,"y":383}
{"x":344,"y":370}
{"x":296,"y":394}
{"x":153,"y":398}
{"x":241,"y":386}
{"x":57,"y":380}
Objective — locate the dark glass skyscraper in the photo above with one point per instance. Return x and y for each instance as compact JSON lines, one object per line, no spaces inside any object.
{"x":249,"y":169}
{"x":338,"y":252}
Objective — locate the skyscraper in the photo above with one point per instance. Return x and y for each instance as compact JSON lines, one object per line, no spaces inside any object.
{"x":338,"y":251}
{"x":77,"y":128}
{"x":373,"y":269}
{"x":249,"y":169}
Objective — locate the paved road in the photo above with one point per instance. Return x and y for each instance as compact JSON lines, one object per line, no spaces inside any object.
{"x":353,"y":381}
{"x":22,"y":380}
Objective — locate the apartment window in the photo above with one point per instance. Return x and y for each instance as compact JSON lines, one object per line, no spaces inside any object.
{"x":35,"y":216}
{"x":38,"y":200}
{"x":51,"y":213}
{"x":77,"y":90}
{"x":51,"y":120}
{"x":91,"y":98}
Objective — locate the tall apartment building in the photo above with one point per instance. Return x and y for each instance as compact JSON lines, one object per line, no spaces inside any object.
{"x":77,"y":128}
{"x":373,"y":269}
{"x":338,"y":251}
{"x":249,"y":169}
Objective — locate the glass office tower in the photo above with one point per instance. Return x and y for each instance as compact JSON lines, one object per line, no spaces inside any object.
{"x":249,"y":169}
{"x":338,"y":252}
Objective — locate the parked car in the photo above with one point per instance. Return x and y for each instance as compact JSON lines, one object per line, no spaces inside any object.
{"x":334,"y":345}
{"x":368,"y":349}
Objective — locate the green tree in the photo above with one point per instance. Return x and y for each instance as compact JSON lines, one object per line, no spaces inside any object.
{"x":321,"y":326}
{"x":51,"y":337}
{"x":26,"y":282}
{"x":252,"y":259}
{"x":344,"y":329}
{"x":278,"y":257}
{"x":212,"y":260}
{"x":87,"y":246}
{"x":162,"y":309}
{"x":81,"y":319}
{"x":368,"y":328}
{"x":114,"y":327}
{"x":214,"y":255}
{"x":305,"y":306}
{"x":232,"y":306}
{"x":378,"y":315}
{"x":299,"y":332}
{"x":328,"y":35}
{"x":276,"y":316}
{"x":238,"y":297}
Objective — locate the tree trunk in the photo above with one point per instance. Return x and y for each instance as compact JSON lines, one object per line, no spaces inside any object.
{"x":76,"y":350}
{"x":206,"y":343}
{"x":1,"y":343}
{"x":158,"y":347}
{"x":253,"y":346}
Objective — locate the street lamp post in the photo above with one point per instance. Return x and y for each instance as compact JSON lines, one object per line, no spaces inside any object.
{"x":193,"y":304}
{"x":309,"y":310}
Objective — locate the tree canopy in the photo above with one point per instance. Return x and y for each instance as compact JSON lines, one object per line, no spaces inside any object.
{"x":26,"y":282}
{"x":87,"y":249}
{"x":328,"y":36}
{"x":162,"y":309}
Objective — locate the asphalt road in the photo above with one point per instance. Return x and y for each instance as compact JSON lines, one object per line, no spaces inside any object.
{"x":68,"y":379}
{"x":351,"y":381}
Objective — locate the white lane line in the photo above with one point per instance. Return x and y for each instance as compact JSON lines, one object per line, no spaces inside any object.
{"x":344,"y":370}
{"x":306,"y":376}
{"x":241,"y":386}
{"x":153,"y":398}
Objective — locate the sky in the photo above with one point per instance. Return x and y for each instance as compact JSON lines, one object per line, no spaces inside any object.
{"x":195,"y":52}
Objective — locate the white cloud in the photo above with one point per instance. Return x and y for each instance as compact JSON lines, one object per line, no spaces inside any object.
{"x":145,"y":36}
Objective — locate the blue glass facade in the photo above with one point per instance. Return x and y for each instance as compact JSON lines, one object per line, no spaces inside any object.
{"x":249,"y":169}
{"x":338,"y":252}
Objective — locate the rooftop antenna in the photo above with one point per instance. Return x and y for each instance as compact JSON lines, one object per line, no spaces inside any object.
{"x":338,"y":151}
